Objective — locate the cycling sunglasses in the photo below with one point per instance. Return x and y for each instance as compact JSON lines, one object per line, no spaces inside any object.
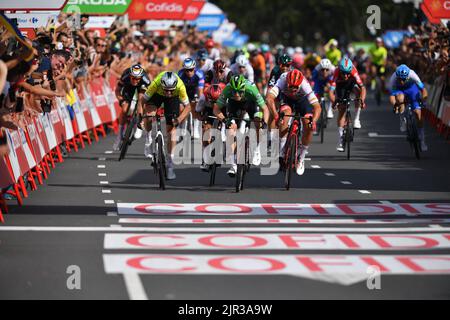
{"x":169,"y":91}
{"x":135,"y":78}
{"x":238,"y":92}
{"x":189,"y":70}
{"x":286,"y":65}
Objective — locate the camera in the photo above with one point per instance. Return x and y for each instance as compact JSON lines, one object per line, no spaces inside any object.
{"x":19,"y":104}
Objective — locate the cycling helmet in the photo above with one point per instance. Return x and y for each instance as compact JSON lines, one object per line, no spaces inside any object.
{"x":202,"y":54}
{"x":237,"y":83}
{"x":242,"y":61}
{"x":137,"y":71}
{"x":294,"y":78}
{"x":285,"y":59}
{"x":346,"y":65}
{"x":219,"y":65}
{"x":189,"y":63}
{"x":214,"y":91}
{"x":290,"y":51}
{"x":402,"y":72}
{"x":325,"y":64}
{"x":298,"y":50}
{"x":169,"y":81}
{"x":265,"y":48}
{"x":209,"y":43}
{"x":251,"y":47}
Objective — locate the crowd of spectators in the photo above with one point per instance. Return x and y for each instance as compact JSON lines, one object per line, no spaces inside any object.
{"x":65,"y":55}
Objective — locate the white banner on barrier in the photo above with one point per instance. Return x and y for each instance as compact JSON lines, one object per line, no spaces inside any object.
{"x":110,"y":99}
{"x":34,"y":136}
{"x":65,"y":117}
{"x":92,"y":109}
{"x":49,"y":130}
{"x":13,"y":158}
{"x":26,"y":149}
{"x":81,"y":121}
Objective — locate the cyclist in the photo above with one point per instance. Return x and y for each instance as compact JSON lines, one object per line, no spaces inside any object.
{"x":332,"y":52}
{"x":168,"y":89}
{"x":259,"y":67}
{"x":311,"y":60}
{"x":204,"y":111}
{"x":284,"y":65}
{"x":405,"y":83}
{"x":213,"y":53}
{"x":346,"y":80}
{"x":243,"y":67}
{"x":269,"y":58}
{"x":132,"y":79}
{"x":295,"y":93}
{"x":219,"y":74}
{"x":378,"y":59}
{"x":361,"y":62}
{"x":239,"y":99}
{"x":322,"y":76}
{"x":204,"y":62}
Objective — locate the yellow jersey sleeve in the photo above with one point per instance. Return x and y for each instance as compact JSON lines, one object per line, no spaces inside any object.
{"x":182,"y":93}
{"x":153,"y":87}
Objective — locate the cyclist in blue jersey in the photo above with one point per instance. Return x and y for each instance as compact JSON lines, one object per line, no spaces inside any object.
{"x":405,"y":83}
{"x":321,"y":78}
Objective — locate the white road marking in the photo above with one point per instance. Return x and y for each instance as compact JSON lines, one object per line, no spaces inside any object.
{"x":134,"y":286}
{"x":364,"y":191}
{"x":307,"y":159}
{"x":329,"y":174}
{"x":106,"y":191}
{"x":111,"y":214}
{"x":109,"y":201}
{"x":104,"y":182}
{"x":346,"y":182}
{"x":218,"y":229}
{"x":386,"y":202}
{"x":376,"y":135}
{"x":436,"y":226}
{"x":101,"y":166}
{"x":315,"y":166}
{"x":108,"y":152}
{"x":101,"y":159}
{"x":102,"y":174}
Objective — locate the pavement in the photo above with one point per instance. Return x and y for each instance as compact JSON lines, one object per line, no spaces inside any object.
{"x":373,"y":227}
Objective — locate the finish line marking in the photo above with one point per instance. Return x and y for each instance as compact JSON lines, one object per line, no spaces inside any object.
{"x":222,"y":229}
{"x":283,"y":209}
{"x":376,"y":135}
{"x":134,"y":286}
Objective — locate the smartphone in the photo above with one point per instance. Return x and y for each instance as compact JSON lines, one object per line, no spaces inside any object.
{"x":19,"y":104}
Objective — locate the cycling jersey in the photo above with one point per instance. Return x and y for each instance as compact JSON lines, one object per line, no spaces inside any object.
{"x":127,"y":90}
{"x":311,"y":61}
{"x":156,"y":88}
{"x":193,"y":83}
{"x":209,"y":65}
{"x":249,"y":74}
{"x":338,"y":78}
{"x":319,"y":81}
{"x":251,"y":95}
{"x":259,"y":67}
{"x":304,"y":91}
{"x":378,"y":55}
{"x":275,"y":74}
{"x":361,"y":63}
{"x":412,"y":80}
{"x":334,"y":55}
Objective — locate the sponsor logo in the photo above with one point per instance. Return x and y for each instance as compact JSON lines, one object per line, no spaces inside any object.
{"x":164,"y":7}
{"x":98,"y":2}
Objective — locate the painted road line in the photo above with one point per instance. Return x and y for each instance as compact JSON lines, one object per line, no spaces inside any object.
{"x":376,"y":135}
{"x":134,"y":286}
{"x":109,"y":201}
{"x":364,"y":191}
{"x":108,"y":152}
{"x":111,"y":214}
{"x":101,"y":166}
{"x":346,"y":182}
{"x":278,"y":221}
{"x":279,"y":241}
{"x":101,"y":159}
{"x":315,"y":166}
{"x":307,"y":159}
{"x":222,"y":229}
{"x":102,"y":174}
{"x":106,"y":191}
{"x":329,"y":174}
{"x":282,"y":209}
{"x":104,"y":182}
{"x":342,"y":269}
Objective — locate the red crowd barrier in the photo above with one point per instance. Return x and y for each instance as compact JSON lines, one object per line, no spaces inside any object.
{"x":35,"y":150}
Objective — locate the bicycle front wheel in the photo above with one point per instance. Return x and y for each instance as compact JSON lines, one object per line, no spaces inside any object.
{"x":161,"y":165}
{"x":290,"y":162}
{"x":126,"y":141}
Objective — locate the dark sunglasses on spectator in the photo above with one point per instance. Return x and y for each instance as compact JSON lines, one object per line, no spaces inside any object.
{"x":101,"y":45}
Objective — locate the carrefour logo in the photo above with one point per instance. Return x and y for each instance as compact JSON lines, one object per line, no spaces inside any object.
{"x":166,"y":7}
{"x":34,"y":20}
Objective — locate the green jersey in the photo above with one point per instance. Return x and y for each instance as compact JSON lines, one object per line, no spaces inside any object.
{"x":251,"y":94}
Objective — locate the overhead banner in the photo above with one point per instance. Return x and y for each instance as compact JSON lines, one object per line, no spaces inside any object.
{"x":193,"y":10}
{"x":112,"y":7}
{"x":28,"y":5}
{"x":152,"y":25}
{"x":104,"y":22}
{"x":157,"y":9}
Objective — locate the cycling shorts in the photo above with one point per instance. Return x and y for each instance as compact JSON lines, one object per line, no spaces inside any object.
{"x":171,"y":106}
{"x":302,"y":107}
{"x":412,"y":94}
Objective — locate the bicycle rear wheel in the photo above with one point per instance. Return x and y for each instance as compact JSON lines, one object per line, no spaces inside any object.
{"x":323,"y":124}
{"x":126,"y":141}
{"x":348,"y":140}
{"x":415,"y":141}
{"x":161,"y":165}
{"x":212,"y":174}
{"x":290,"y":162}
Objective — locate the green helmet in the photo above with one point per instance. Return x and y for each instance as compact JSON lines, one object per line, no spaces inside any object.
{"x":237,"y":83}
{"x":285,"y":59}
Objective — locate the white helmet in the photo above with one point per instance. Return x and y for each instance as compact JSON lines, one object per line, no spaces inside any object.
{"x":241,"y":61}
{"x":325,"y":64}
{"x":290,"y":51}
{"x":298,"y":50}
{"x":169,"y":81}
{"x":251,"y":47}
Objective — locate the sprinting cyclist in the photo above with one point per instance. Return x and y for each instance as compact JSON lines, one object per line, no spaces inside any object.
{"x":243,"y":67}
{"x":219,"y":74}
{"x":322,"y":76}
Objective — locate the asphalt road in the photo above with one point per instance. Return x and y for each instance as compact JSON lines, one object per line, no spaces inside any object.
{"x":85,"y":216}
